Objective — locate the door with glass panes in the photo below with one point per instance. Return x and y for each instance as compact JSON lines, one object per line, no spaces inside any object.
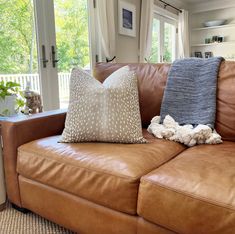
{"x":164,"y":40}
{"x":40,"y":42}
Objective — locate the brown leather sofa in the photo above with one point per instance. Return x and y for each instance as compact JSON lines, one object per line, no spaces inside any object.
{"x":97,"y":188}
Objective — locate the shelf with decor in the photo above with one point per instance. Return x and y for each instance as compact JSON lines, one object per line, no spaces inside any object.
{"x":213,"y":33}
{"x":213,"y":44}
{"x":215,"y":27}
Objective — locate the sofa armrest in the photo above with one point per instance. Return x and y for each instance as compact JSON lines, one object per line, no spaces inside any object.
{"x":17,"y":131}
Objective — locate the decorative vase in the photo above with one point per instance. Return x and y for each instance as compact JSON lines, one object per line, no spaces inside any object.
{"x":7,"y":105}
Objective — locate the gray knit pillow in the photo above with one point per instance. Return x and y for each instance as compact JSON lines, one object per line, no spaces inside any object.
{"x":107,"y":112}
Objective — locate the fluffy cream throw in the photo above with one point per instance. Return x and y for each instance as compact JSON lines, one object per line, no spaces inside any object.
{"x":186,"y":134}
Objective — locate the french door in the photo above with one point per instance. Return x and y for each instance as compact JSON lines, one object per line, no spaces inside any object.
{"x":63,"y":42}
{"x":164,"y":39}
{"x":40,"y":42}
{"x":45,"y":29}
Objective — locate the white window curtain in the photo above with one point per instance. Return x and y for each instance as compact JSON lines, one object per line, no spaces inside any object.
{"x":106,"y":27}
{"x":146,"y":23}
{"x":183,"y":35}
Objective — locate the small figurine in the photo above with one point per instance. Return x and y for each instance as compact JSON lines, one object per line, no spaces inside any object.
{"x":33,"y":101}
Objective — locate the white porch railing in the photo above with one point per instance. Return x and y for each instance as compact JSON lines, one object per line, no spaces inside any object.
{"x":64,"y":79}
{"x":22,"y":79}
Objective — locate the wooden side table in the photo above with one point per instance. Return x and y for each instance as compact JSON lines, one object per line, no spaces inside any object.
{"x":2,"y":181}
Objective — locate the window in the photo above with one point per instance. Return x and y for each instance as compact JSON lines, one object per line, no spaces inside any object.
{"x":155,"y":52}
{"x":40,"y":42}
{"x":164,"y":40}
{"x":72,"y":41}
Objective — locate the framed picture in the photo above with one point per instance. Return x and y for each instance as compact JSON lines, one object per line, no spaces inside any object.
{"x":127,"y":18}
{"x":208,"y":54}
{"x":198,"y":54}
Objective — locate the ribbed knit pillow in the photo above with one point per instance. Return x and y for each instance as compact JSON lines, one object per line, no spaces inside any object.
{"x":107,"y":112}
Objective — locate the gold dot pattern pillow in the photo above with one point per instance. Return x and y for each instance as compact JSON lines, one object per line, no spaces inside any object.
{"x":107,"y":112}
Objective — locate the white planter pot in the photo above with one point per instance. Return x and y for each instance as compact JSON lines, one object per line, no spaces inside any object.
{"x":7,"y":105}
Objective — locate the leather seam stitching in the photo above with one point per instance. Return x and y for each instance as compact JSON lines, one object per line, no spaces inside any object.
{"x":135,"y":179}
{"x":91,"y":200}
{"x":194,"y":196}
{"x":95,"y":201}
{"x":172,"y":227}
{"x":172,"y":156}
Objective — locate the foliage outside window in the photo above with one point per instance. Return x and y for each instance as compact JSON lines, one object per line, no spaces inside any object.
{"x":18,"y":49}
{"x":154,"y":58}
{"x":163,"y":40}
{"x":17,"y":45}
{"x":71,"y":18}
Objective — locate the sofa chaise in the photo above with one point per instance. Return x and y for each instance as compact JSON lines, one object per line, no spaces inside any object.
{"x":160,"y":187}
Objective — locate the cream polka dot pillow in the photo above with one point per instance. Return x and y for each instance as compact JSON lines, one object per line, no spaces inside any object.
{"x":107,"y":112}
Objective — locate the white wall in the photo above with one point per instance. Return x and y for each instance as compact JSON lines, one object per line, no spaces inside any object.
{"x":128,"y":47}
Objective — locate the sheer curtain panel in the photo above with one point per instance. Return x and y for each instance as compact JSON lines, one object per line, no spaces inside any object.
{"x":146,"y":23}
{"x":183,"y":35}
{"x":106,"y":27}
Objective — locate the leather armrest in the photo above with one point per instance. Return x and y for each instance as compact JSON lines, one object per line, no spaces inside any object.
{"x":17,"y":131}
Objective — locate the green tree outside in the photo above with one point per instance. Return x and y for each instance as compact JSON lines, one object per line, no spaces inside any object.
{"x":154,"y":57}
{"x":18,"y":49}
{"x":16,"y":37}
{"x":168,"y":42}
{"x":71,"y":18}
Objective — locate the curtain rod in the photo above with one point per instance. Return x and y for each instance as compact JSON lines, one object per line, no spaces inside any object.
{"x":167,"y":4}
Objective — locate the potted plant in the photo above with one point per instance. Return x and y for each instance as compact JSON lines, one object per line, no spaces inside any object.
{"x":10,"y":100}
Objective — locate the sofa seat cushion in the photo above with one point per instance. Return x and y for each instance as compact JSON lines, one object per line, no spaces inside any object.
{"x":105,"y":173}
{"x":194,"y":192}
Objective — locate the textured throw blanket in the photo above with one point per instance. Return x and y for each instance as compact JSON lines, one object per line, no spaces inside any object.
{"x":190,"y":94}
{"x":189,"y":103}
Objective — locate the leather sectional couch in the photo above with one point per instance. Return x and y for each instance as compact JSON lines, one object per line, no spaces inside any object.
{"x":102,"y":188}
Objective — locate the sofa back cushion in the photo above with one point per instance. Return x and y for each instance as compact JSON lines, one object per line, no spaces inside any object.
{"x":152,"y":80}
{"x":151,"y":83}
{"x":225,"y":118}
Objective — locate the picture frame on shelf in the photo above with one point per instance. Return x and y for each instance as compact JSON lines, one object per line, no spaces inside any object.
{"x":198,"y":54}
{"x":208,"y":54}
{"x":127,"y":18}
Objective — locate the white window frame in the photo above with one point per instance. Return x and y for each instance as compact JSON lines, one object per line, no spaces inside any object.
{"x":94,"y":38}
{"x":165,"y":16}
{"x":45,"y":28}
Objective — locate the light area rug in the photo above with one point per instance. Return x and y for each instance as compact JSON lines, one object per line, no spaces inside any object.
{"x":15,"y":222}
